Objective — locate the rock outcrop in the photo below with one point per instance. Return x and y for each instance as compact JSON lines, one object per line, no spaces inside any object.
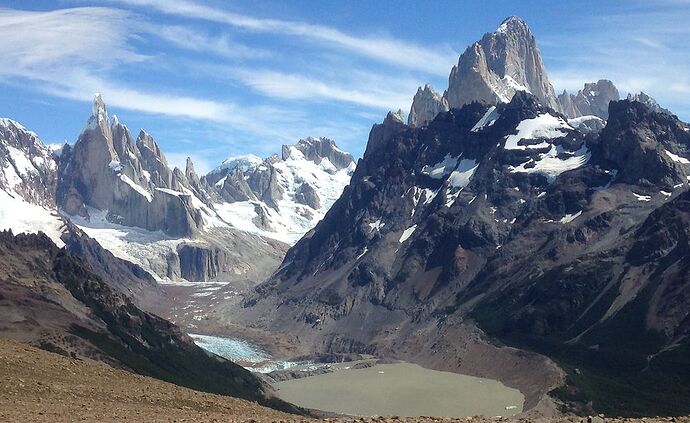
{"x":426,"y":104}
{"x":648,"y":101}
{"x":592,"y":100}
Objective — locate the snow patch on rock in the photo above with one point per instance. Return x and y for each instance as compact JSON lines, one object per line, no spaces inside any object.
{"x":544,"y":126}
{"x":407,"y":233}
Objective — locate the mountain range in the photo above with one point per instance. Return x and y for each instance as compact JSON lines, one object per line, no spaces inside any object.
{"x":500,"y":235}
{"x":502,"y":231}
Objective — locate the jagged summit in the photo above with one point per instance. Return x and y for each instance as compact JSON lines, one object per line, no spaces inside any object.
{"x":284,"y":196}
{"x":317,"y":150}
{"x":426,"y":104}
{"x":108,"y":170}
{"x":592,"y":100}
{"x":512,"y":24}
{"x":397,"y":116}
{"x":98,"y":108}
{"x":501,"y":63}
{"x":649,"y":101}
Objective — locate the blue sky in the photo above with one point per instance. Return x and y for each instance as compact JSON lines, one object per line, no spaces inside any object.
{"x":211,"y":79}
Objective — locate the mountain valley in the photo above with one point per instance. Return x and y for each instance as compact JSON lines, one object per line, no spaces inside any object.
{"x":503,"y":243}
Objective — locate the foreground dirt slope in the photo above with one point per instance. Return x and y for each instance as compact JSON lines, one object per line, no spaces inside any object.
{"x":38,"y":386}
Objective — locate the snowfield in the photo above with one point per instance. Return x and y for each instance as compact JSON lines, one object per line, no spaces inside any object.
{"x":23,"y":217}
{"x":292,"y":219}
{"x":544,"y":126}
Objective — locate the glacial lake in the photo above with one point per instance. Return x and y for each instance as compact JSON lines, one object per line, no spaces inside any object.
{"x":402,"y":389}
{"x":399,"y":389}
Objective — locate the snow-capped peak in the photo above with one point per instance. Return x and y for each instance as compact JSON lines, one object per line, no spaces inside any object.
{"x":282,"y":197}
{"x":244,"y":162}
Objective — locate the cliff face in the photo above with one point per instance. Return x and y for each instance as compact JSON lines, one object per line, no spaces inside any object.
{"x":109,"y":170}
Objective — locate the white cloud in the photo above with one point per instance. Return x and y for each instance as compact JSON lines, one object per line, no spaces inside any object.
{"x":89,"y":35}
{"x":638,"y":51}
{"x":383,"y":49}
{"x":68,"y":53}
{"x":300,"y":87}
{"x":189,"y":39}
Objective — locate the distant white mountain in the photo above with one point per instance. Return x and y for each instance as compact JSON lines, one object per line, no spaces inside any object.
{"x":282,"y":197}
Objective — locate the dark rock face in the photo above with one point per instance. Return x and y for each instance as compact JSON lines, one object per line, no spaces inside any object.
{"x":58,"y":303}
{"x":637,"y":141}
{"x":514,"y":219}
{"x":122,"y":276}
{"x":307,"y":195}
{"x":200,"y":263}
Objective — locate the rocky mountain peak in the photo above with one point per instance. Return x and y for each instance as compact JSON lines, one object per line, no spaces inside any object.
{"x":316,"y":150}
{"x":592,"y":100}
{"x":426,"y":104}
{"x":127,"y":179}
{"x":513,"y":24}
{"x":98,"y":109}
{"x":189,"y":168}
{"x":647,"y":147}
{"x":649,"y":101}
{"x":27,"y":167}
{"x":397,"y":117}
{"x":500,"y":64}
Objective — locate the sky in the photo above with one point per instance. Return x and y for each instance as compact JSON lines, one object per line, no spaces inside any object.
{"x":212,"y":79}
